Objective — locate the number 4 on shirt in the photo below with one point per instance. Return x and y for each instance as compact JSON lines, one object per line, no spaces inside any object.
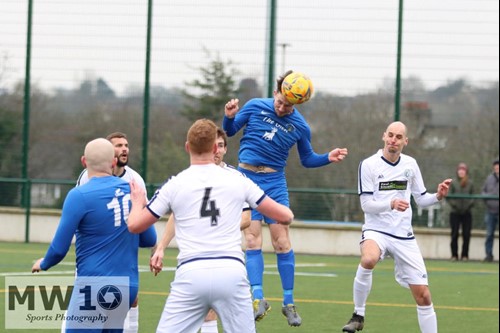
{"x":208,"y":208}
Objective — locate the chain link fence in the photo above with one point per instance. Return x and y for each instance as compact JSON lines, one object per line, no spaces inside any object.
{"x":94,"y":67}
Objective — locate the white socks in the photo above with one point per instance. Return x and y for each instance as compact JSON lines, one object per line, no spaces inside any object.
{"x":131,"y":323}
{"x":209,"y":327}
{"x":361,"y":289}
{"x":63,"y":325}
{"x":427,"y":319}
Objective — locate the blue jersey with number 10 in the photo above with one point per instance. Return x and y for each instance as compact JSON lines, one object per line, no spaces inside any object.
{"x":96,"y":213}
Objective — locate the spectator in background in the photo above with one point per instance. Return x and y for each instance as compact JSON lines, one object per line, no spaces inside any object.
{"x":490,"y":187}
{"x":461,"y":214}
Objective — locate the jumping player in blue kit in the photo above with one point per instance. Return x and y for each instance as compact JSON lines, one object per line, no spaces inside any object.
{"x":97,"y":213}
{"x":272,"y":126}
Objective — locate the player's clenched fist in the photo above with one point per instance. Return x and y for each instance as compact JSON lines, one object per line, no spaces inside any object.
{"x":337,"y":155}
{"x":231,"y":108}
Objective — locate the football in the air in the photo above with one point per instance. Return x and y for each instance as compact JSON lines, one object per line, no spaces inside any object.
{"x":297,"y":88}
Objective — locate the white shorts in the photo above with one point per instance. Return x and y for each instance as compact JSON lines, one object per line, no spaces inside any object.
{"x":409,"y":266}
{"x":219,"y":284}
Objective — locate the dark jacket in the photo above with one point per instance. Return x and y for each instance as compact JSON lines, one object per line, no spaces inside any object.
{"x":461,"y":206}
{"x":490,"y":187}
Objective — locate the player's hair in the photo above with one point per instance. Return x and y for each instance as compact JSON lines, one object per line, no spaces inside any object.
{"x":280,"y":79}
{"x":222,"y":134}
{"x":201,"y":136}
{"x":115,"y":135}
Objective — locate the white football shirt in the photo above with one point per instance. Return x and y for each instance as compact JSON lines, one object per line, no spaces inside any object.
{"x":232,"y":169}
{"x":127,"y":175}
{"x":206,"y":201}
{"x":384,"y":181}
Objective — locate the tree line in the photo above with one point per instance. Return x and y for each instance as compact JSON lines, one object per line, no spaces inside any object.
{"x":454,"y":123}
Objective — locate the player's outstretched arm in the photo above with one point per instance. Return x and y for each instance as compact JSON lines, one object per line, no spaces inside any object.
{"x":140,"y":218}
{"x":156,"y":261}
{"x":278,"y":212}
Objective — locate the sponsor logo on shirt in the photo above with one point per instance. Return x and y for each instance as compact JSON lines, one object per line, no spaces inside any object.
{"x":286,"y":128}
{"x":399,"y":185}
{"x":408,"y":173}
{"x":290,"y":127}
{"x":268,"y":136}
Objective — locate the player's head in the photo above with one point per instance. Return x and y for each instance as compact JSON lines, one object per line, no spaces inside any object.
{"x":99,"y":156}
{"x":495,"y":166}
{"x":463,"y":173}
{"x":120,"y":143}
{"x":462,"y":170}
{"x":395,"y":138}
{"x":282,"y":106}
{"x":221,"y":143}
{"x":280,"y":79}
{"x":201,"y":137}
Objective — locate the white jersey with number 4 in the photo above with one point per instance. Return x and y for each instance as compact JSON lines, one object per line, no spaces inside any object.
{"x":385,"y":181}
{"x":207,"y":202}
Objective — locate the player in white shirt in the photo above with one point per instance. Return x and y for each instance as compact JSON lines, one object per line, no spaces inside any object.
{"x":386,"y":182}
{"x":122,"y":170}
{"x":207,"y":202}
{"x":156,"y":262}
{"x":128,"y":174}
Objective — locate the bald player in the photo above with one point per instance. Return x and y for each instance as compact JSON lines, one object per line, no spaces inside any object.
{"x":96,"y":213}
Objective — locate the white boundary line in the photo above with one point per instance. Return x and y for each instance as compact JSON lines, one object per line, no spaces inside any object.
{"x":143,"y":269}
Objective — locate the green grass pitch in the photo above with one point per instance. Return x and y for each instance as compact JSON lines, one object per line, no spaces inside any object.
{"x":465,"y":294}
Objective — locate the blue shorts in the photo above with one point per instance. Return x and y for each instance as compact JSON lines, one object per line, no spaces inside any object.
{"x":274,"y":185}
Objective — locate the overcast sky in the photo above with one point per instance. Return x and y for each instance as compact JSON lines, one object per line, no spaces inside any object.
{"x":345,"y":47}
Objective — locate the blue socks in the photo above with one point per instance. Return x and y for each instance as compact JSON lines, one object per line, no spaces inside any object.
{"x":286,"y":268}
{"x":255,"y":271}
